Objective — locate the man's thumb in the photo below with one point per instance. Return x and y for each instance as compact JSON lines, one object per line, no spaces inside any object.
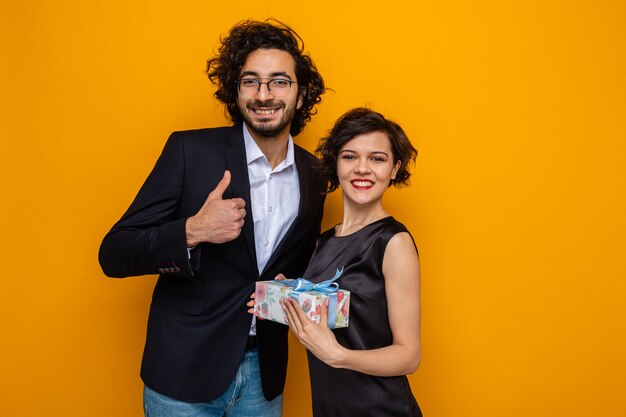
{"x":220,"y":187}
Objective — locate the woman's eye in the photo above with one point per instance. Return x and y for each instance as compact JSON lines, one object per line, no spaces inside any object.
{"x":378,"y":159}
{"x":347,"y":157}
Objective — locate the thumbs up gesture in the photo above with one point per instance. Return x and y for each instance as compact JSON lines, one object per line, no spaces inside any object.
{"x":218,"y":220}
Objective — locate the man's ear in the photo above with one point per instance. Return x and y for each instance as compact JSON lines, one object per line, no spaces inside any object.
{"x":300,"y":99}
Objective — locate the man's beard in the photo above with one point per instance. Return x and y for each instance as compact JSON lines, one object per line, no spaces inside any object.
{"x":265,"y":129}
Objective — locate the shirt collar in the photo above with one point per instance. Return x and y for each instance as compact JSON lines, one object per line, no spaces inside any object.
{"x":253,"y":152}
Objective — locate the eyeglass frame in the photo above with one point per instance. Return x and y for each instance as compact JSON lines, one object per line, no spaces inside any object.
{"x":259,"y":83}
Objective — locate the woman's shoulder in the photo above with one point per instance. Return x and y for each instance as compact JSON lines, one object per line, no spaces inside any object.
{"x":399,"y":233}
{"x":395,"y":226}
{"x":328,"y":233}
{"x":383,"y":229}
{"x":391,"y":227}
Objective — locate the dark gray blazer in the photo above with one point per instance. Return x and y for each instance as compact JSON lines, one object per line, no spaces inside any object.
{"x":198,"y":324}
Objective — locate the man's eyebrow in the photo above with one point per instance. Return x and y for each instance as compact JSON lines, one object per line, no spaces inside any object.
{"x":280,"y":74}
{"x":272,"y":75}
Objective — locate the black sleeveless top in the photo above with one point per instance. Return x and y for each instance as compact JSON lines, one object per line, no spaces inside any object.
{"x":343,"y":392}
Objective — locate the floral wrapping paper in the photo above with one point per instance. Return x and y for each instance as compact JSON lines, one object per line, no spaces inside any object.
{"x":270,"y":293}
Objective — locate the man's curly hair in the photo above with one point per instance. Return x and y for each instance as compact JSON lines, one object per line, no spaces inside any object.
{"x":248,"y":36}
{"x":361,"y":121}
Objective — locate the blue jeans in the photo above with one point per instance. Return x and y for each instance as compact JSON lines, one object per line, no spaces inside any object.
{"x":243,"y":398}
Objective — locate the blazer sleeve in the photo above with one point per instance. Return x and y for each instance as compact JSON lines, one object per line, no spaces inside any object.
{"x":150,"y":237}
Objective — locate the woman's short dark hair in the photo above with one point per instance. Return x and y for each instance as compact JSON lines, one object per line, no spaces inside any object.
{"x":358,"y":122}
{"x":248,"y":36}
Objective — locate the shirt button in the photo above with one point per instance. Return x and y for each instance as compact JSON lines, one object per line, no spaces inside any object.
{"x":267,"y":243}
{"x":271,"y":209}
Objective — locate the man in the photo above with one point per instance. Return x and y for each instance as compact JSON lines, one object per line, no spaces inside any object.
{"x":223,"y":208}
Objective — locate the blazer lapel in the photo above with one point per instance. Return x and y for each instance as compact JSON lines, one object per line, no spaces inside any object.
{"x":236,"y":163}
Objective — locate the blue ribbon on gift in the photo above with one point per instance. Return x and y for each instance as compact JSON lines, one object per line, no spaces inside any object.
{"x":326,"y":287}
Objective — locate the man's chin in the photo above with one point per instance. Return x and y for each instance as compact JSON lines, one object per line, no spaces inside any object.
{"x":267,"y":131}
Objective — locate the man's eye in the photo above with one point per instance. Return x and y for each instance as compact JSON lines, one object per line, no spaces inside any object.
{"x":248,"y":82}
{"x":279,"y":83}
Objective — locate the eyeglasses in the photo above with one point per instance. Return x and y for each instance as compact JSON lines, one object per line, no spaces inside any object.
{"x":277,"y":86}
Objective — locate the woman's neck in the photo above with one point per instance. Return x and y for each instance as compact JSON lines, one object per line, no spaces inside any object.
{"x":356,"y":217}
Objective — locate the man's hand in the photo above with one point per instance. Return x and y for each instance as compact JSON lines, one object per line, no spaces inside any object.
{"x":218,"y":220}
{"x":252,"y":302}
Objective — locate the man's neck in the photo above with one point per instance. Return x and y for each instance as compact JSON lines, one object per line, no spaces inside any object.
{"x":274,"y":149}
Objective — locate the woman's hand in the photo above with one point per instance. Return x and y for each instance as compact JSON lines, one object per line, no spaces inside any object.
{"x":317,"y":338}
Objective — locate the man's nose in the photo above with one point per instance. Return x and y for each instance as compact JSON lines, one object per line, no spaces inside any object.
{"x":264,"y":91}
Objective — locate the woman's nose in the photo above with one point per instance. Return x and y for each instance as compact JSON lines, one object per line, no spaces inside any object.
{"x":362,"y":166}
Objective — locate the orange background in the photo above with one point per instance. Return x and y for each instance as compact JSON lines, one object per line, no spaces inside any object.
{"x":517,"y":202}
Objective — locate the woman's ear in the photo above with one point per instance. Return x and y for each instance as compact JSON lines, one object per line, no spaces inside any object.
{"x":395,"y":170}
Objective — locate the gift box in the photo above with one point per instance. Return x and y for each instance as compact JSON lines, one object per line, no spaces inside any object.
{"x":311,"y":297}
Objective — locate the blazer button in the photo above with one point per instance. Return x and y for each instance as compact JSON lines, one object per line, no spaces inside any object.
{"x":177,"y":269}
{"x":161,"y":270}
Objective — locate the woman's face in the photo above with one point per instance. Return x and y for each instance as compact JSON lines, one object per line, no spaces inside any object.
{"x":365,"y":166}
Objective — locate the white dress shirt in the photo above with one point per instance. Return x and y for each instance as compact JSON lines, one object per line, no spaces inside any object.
{"x":274,"y":197}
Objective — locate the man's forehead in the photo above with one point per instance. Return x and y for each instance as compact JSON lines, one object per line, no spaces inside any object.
{"x":269,"y":62}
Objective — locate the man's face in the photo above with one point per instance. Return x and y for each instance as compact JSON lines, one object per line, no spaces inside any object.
{"x":266,"y":112}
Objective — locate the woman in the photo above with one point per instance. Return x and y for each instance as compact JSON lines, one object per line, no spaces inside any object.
{"x":361,"y":370}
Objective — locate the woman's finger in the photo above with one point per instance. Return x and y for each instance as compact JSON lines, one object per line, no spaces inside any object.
{"x":302,"y":317}
{"x":324,"y":314}
{"x":291,"y":308}
{"x":291,"y":321}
